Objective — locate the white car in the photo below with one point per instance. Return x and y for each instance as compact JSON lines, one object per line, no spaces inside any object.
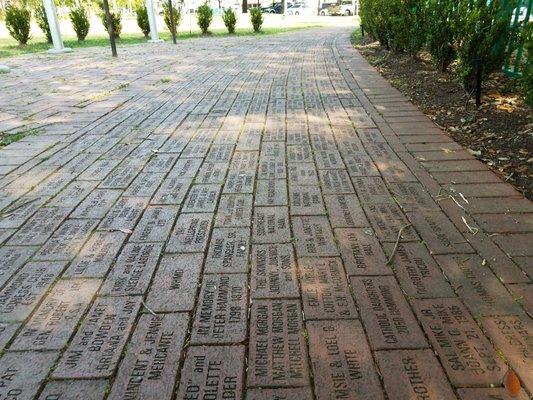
{"x":298,"y":9}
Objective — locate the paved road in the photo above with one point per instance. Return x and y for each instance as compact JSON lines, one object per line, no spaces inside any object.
{"x":249,"y":218}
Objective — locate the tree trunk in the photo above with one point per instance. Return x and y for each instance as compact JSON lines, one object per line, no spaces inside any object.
{"x":244,"y":6}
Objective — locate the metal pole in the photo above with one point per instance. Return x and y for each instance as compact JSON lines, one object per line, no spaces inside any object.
{"x":110,"y":29}
{"x":172,"y":23}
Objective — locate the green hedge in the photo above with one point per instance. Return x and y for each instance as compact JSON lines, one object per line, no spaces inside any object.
{"x":475,"y":33}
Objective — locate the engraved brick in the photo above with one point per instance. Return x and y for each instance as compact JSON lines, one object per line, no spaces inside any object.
{"x":271,"y":192}
{"x":172,"y":190}
{"x":96,"y":348}
{"x":190,"y":234}
{"x":314,"y":237}
{"x":150,"y":365}
{"x":479,"y":288}
{"x":303,"y":393}
{"x":97,"y":204}
{"x":490,"y":394}
{"x":67,"y":240}
{"x":201,"y":198}
{"x":221,"y":314}
{"x":133,"y":269}
{"x":74,"y":390}
{"x":465,"y":352}
{"x":7,"y":331}
{"x":513,"y":336}
{"x":234,"y":210}
{"x":228,"y":251}
{"x":240,"y":181}
{"x":11,"y":259}
{"x":144,"y":185}
{"x":333,"y":181}
{"x":97,"y":255}
{"x":39,"y":227}
{"x":387,"y":220}
{"x":24,"y":291}
{"x":386,"y":315}
{"x":175,"y":283}
{"x":124,"y":214}
{"x":411,"y":374}
{"x":302,"y":174}
{"x":418,"y":273}
{"x":277,"y":350}
{"x":345,"y":211}
{"x":212,"y":172}
{"x":155,"y":224}
{"x":325,"y":291}
{"x":342,"y":362}
{"x":361,"y":252}
{"x":212,"y":372}
{"x":306,"y":200}
{"x":21,"y":374}
{"x":271,"y":225}
{"x":273,"y":272}
{"x":54,"y":321}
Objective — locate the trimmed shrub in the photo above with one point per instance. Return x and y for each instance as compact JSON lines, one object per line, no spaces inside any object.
{"x":204,"y":17}
{"x":376,"y":19}
{"x":142,"y":19}
{"x":116,"y":20}
{"x":443,"y":25}
{"x":42,"y":21}
{"x":483,"y":37}
{"x":407,"y":25}
{"x":18,"y":23}
{"x":80,"y":21}
{"x":166,"y":16}
{"x":230,"y":19}
{"x":256,"y":17}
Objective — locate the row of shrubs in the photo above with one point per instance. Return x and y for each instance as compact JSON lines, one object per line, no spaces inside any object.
{"x":18,"y":18}
{"x":474,"y":34}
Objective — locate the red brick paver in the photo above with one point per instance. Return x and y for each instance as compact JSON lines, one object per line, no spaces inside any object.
{"x":250,"y":218}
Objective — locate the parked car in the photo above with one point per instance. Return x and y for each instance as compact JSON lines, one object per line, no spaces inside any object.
{"x":273,"y":9}
{"x":298,"y":9}
{"x":347,"y":7}
{"x":324,"y":9}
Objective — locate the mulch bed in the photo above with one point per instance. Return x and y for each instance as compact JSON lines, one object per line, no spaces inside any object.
{"x":500,"y":133}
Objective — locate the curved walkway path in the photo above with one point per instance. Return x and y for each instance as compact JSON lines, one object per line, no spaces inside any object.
{"x":249,"y":218}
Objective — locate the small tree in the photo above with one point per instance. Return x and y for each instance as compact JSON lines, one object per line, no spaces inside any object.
{"x":142,"y":19}
{"x":256,"y":17}
{"x":230,"y":19}
{"x":80,"y":21}
{"x":42,"y":21}
{"x":116,"y":20}
{"x":204,"y":17}
{"x":18,"y":20}
{"x":166,"y":16}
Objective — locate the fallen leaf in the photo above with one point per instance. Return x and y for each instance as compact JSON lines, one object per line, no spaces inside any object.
{"x":512,"y":383}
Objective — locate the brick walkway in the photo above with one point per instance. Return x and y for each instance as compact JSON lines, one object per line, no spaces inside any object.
{"x":213,"y":221}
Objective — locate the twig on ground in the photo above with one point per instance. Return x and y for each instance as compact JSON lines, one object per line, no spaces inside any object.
{"x":148,"y":308}
{"x":397,"y":242}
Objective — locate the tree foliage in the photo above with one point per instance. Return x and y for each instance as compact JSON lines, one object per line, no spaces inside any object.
{"x":204,"y":17}
{"x":79,"y":16}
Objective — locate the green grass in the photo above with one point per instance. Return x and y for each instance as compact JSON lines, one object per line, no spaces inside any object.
{"x":6,"y":139}
{"x":10,"y":48}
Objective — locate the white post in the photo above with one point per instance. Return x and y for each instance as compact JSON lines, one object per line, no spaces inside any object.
{"x":53,"y":23}
{"x":152,"y":22}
